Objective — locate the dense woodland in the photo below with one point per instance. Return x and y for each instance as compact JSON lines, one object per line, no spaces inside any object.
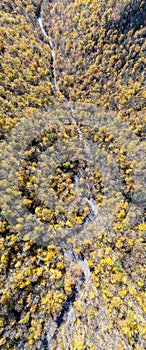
{"x":99,"y":61}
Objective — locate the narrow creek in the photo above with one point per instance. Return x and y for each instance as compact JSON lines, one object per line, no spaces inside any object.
{"x":76,"y":258}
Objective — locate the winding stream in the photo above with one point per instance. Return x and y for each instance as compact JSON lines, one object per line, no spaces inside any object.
{"x":76,"y":258}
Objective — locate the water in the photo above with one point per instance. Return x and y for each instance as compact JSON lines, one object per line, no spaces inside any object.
{"x":51,"y":50}
{"x":91,"y":201}
{"x":78,"y":259}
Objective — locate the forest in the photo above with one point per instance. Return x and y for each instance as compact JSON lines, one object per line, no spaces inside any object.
{"x":72,"y":120}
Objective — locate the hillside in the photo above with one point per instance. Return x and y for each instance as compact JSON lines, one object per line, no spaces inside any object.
{"x":72,"y":131}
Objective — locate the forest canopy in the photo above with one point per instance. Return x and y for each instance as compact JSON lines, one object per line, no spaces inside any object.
{"x":99,"y":50}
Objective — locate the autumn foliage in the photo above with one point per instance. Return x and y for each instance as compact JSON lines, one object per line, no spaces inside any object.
{"x":99,"y":61}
